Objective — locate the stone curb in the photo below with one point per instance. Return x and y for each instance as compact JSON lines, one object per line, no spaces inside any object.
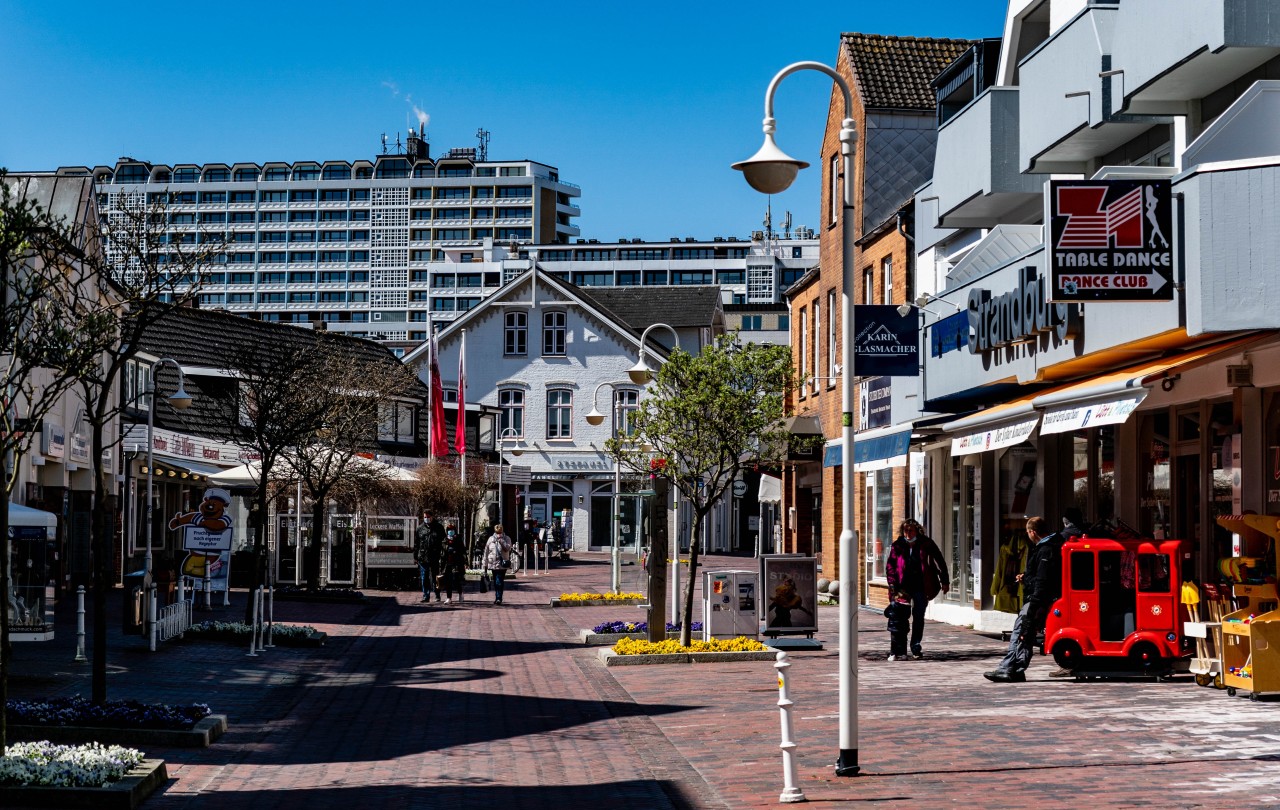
{"x":555,"y":602}
{"x":124,"y":794}
{"x":321,"y":598}
{"x":611,"y":659}
{"x":609,"y":639}
{"x":201,"y":735}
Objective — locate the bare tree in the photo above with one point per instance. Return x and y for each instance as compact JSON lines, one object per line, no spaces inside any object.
{"x":150,"y":271}
{"x":47,"y":343}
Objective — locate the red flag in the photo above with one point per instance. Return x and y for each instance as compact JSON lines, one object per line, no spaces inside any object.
{"x":460,"y":429}
{"x":439,"y":436}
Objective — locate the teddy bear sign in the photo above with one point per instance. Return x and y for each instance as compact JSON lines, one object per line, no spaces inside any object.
{"x":206,"y":532}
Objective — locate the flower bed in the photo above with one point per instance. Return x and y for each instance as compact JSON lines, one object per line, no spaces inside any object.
{"x":609,"y":633}
{"x":300,"y":593}
{"x":100,"y":777}
{"x":637,"y":627}
{"x":77,"y":711}
{"x":629,"y":646}
{"x":597,"y":599}
{"x":283,"y":635}
{"x":89,"y":765}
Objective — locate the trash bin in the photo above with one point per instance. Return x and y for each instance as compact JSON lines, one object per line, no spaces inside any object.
{"x":134,"y":612}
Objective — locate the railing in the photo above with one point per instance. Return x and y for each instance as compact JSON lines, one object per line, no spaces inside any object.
{"x":174,"y":620}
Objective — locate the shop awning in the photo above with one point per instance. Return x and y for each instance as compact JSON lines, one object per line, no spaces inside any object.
{"x":804,"y":425}
{"x":181,"y":468}
{"x":881,"y":448}
{"x":770,"y":489}
{"x":1110,"y":398}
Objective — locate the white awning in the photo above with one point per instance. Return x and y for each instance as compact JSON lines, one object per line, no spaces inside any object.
{"x":770,"y":489}
{"x":995,"y":437}
{"x":1077,"y":415}
{"x":20,"y":515}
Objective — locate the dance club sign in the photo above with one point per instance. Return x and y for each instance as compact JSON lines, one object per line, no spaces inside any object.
{"x":1110,"y":240}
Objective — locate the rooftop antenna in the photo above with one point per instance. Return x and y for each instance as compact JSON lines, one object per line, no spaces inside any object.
{"x":399,"y":148}
{"x":786,"y":226}
{"x":482,"y":135}
{"x":384,"y":143}
{"x":768,"y":218}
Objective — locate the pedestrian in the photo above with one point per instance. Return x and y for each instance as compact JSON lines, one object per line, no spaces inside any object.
{"x":497,"y":553}
{"x":916,"y":567}
{"x":428,"y":548}
{"x":1072,"y":528}
{"x":898,"y":612}
{"x":1041,"y":586}
{"x":454,"y":565}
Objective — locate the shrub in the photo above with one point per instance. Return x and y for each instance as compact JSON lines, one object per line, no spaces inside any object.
{"x":282,"y":634}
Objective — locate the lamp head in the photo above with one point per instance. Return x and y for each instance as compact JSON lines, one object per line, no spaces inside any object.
{"x":905,"y":309}
{"x":640,"y":373}
{"x":180,"y":400}
{"x":770,"y":170}
{"x":594,"y":417}
{"x":517,"y":450}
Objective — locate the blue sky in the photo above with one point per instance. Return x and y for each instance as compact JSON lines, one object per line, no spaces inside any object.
{"x":643,"y":106}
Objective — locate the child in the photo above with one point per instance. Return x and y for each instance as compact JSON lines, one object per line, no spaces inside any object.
{"x":899,"y":614}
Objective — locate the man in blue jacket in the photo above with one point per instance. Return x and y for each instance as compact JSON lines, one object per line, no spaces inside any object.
{"x":1041,"y":587}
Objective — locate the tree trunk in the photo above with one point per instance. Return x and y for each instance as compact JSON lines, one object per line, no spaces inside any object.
{"x":5,"y":649}
{"x":100,"y":561}
{"x":261,"y":560}
{"x":686,"y":625}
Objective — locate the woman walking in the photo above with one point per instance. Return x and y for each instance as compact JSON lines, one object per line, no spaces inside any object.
{"x":497,"y":553}
{"x":917,"y":568}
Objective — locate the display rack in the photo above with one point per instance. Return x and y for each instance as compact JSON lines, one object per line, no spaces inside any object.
{"x":1251,"y":642}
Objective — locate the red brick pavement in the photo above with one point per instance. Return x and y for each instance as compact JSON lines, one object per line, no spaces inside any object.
{"x":476,"y":705}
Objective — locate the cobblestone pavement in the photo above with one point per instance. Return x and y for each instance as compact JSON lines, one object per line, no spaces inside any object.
{"x":476,"y":705}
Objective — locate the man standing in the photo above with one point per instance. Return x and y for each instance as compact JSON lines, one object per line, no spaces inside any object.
{"x":428,"y":547}
{"x":1041,"y":587}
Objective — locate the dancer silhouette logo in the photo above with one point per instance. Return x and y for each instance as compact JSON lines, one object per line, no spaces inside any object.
{"x":1109,"y":240}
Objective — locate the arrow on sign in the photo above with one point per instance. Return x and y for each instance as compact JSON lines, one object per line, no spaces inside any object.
{"x":1076,"y":283}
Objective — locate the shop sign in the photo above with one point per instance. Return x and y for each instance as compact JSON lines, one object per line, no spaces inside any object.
{"x":79,"y":448}
{"x":790,"y":593}
{"x":1079,"y":417}
{"x":1006,"y":435}
{"x":1109,"y":240}
{"x":887,"y":343}
{"x":1019,"y":315}
{"x":582,"y":464}
{"x":53,"y":440}
{"x":877,"y":411}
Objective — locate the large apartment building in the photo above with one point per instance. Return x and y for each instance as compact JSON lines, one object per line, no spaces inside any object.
{"x":382,"y":248}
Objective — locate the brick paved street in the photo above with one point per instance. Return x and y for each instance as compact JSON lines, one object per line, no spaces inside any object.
{"x":476,"y":705}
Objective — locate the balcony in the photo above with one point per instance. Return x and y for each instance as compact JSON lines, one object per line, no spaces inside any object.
{"x":975,"y":173}
{"x":1175,"y":51}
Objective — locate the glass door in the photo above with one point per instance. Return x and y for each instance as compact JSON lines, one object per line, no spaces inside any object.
{"x":342,"y":549}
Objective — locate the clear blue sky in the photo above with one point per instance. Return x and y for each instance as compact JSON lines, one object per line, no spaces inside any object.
{"x":642,"y":105}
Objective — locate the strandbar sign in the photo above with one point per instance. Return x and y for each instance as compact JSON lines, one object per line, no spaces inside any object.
{"x":1019,"y":315}
{"x":1109,"y":240}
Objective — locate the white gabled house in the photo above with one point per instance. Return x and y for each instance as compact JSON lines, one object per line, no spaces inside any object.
{"x":538,"y":351}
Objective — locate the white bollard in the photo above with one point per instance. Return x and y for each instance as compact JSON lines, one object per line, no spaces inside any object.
{"x":151,"y":618}
{"x":271,"y":614}
{"x":80,"y":657}
{"x":253,"y":628}
{"x":207,"y":586}
{"x":790,"y":792}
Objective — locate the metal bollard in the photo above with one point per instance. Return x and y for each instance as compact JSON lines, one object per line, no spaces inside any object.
{"x":790,"y":792}
{"x":151,"y":618}
{"x":207,"y":585}
{"x":253,"y":628}
{"x":271,"y":614}
{"x":80,"y":657}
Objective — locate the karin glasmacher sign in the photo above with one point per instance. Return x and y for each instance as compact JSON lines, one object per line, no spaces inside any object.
{"x":1110,"y":240}
{"x":887,"y":344}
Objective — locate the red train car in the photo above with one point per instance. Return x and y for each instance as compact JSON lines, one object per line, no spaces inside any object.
{"x":1120,"y":609}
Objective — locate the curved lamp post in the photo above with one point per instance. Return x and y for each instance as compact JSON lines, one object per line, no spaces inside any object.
{"x":641,"y":373}
{"x":770,"y":171}
{"x":594,"y":417}
{"x":508,"y":434}
{"x":180,"y":400}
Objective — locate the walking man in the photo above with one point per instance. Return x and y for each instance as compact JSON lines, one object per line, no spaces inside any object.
{"x":1041,"y":587}
{"x":428,"y":548}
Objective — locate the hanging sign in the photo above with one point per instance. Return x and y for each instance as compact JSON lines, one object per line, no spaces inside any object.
{"x":886,"y":343}
{"x":1110,"y":240}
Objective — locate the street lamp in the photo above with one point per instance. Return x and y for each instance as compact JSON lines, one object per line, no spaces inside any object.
{"x":180,"y":400}
{"x":594,"y":417}
{"x":770,"y":171}
{"x":641,"y":373}
{"x":508,"y":434}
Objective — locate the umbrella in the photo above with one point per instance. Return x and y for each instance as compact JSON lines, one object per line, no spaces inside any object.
{"x":247,"y":475}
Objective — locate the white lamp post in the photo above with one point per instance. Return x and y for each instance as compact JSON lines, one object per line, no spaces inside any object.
{"x":180,"y":400}
{"x":512,"y":435}
{"x":594,"y":417}
{"x":770,"y":171}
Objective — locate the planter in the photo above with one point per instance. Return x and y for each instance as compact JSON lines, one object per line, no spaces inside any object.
{"x":611,"y":659}
{"x":555,"y":602}
{"x":201,"y":735}
{"x":123,"y":794}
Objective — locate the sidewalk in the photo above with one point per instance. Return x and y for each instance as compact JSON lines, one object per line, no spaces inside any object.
{"x":476,"y":705}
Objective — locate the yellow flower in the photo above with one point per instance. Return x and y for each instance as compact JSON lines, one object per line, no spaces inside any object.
{"x":632,"y":646}
{"x":604,"y":597}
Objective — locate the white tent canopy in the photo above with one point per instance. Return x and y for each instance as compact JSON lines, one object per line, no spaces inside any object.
{"x":26,"y":516}
{"x":770,"y":489}
{"x":248,"y":475}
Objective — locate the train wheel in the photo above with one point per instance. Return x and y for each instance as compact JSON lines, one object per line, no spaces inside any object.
{"x":1204,"y":680}
{"x":1067,"y":654}
{"x":1231,"y":690}
{"x":1145,"y":657}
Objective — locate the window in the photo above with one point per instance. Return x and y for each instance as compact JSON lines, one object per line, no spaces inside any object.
{"x":273,"y":237}
{"x":271,"y":216}
{"x":307,"y":195}
{"x":302,"y":216}
{"x":868,"y":286}
{"x":240,"y":298}
{"x":446,"y":213}
{"x":242,"y":218}
{"x":246,"y":176}
{"x":693,"y":253}
{"x":333,"y":216}
{"x":511,"y":405}
{"x":655,"y":277}
{"x":213,"y":217}
{"x":395,"y":422}
{"x":831,"y":338}
{"x":833,"y":189}
{"x":333,"y":236}
{"x":886,"y":280}
{"x":803,"y":348}
{"x":553,"y":334}
{"x":784,"y":323}
{"x":302,"y":256}
{"x":751,"y":323}
{"x":271,"y":278}
{"x":271,"y":257}
{"x":515,"y":212}
{"x":482,"y":193}
{"x":303,"y":277}
{"x":517,"y":334}
{"x":1082,"y":570}
{"x":628,"y":278}
{"x":730,"y":277}
{"x":271,"y":298}
{"x":512,"y":171}
{"x":187,"y":174}
{"x":359,"y":256}
{"x":358,"y":194}
{"x":452,"y":233}
{"x":469,"y":279}
{"x":515,"y":233}
{"x":450,"y":193}
{"x":691,"y":277}
{"x":333,"y":276}
{"x":333,"y":195}
{"x":514,"y":192}
{"x":302,"y":236}
{"x":243,"y":196}
{"x":591,"y":279}
{"x":213,"y":197}
{"x":302,"y":298}
{"x":242,"y":278}
{"x":442,"y":305}
{"x":336,"y":173}
{"x":217,"y":175}
{"x":274,"y":196}
{"x":560,"y":414}
{"x":333,"y":255}
{"x":816,"y":365}
{"x":626,"y":402}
